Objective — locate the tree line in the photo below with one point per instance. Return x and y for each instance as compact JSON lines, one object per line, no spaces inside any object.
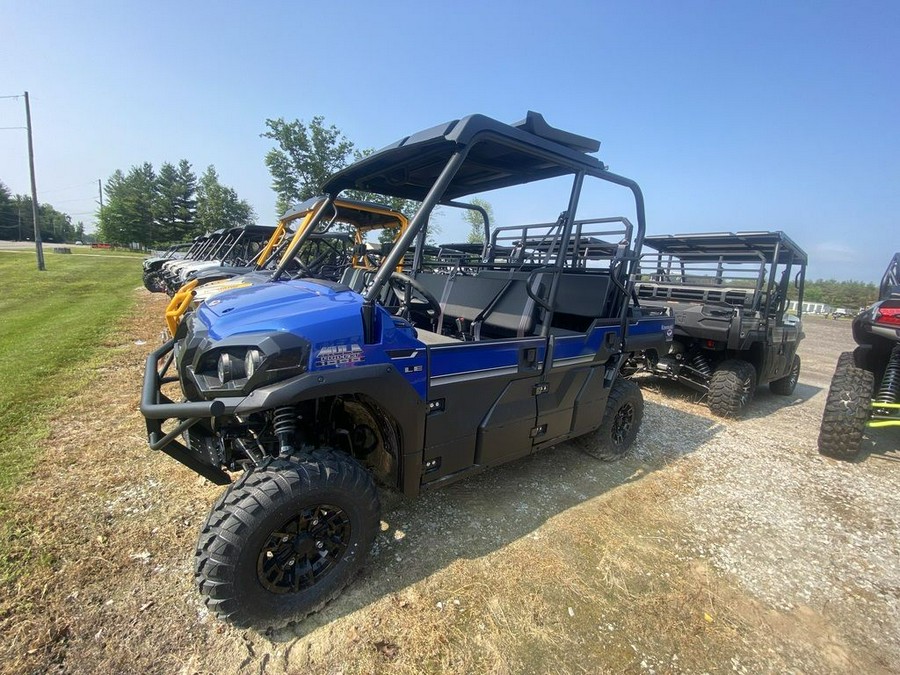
{"x":17,"y":220}
{"x":150,"y":208}
{"x":847,"y":294}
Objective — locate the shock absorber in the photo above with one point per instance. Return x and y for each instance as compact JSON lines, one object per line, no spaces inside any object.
{"x":700,"y":363}
{"x":284,"y":421}
{"x":889,"y":391}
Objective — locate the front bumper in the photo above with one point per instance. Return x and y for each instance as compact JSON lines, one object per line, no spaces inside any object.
{"x":156,"y":408}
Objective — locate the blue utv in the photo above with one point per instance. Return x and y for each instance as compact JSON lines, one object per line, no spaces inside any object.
{"x":413,"y":374}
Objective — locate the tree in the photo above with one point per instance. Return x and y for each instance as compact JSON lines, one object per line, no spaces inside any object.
{"x":174,"y":202}
{"x":112,"y":222}
{"x":165,"y":209}
{"x":476,"y":222}
{"x":9,"y":217}
{"x":848,"y":294}
{"x":305,"y":157}
{"x":148,"y":208}
{"x":128,"y":215}
{"x":218,"y":206}
{"x":185,"y":201}
{"x":16,"y":216}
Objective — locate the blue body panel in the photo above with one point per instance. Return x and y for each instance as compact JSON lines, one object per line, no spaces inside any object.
{"x":330,"y":318}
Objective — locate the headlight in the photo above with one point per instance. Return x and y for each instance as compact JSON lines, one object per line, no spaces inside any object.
{"x":251,"y":361}
{"x":230,"y":368}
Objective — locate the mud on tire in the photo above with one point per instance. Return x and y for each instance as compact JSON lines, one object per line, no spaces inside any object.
{"x":286,"y":538}
{"x":731,"y":387}
{"x":621,"y":422}
{"x":846,"y":409}
{"x":786,"y":385}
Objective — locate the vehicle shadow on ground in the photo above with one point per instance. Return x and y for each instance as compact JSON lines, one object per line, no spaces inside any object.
{"x":763,"y":404}
{"x":881,"y":444}
{"x":481,"y":515}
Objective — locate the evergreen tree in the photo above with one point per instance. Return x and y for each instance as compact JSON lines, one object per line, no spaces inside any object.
{"x":9,"y":217}
{"x":218,"y":205}
{"x":113,"y":217}
{"x":185,"y":201}
{"x":128,"y":216}
{"x":165,"y":208}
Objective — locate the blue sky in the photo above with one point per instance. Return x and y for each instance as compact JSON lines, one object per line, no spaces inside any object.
{"x":731,"y":116}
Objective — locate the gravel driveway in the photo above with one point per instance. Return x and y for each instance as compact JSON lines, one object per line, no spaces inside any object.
{"x":719,"y":546}
{"x":793,"y":529}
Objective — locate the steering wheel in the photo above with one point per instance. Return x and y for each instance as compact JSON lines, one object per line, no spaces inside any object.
{"x":403,"y":286}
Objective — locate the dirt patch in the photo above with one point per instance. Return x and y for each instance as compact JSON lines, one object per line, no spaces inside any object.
{"x":719,"y":546}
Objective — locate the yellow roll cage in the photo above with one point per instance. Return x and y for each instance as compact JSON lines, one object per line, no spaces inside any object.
{"x":359,"y":215}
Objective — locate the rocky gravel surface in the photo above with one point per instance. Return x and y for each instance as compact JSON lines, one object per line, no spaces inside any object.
{"x":719,"y":546}
{"x":795,"y":529}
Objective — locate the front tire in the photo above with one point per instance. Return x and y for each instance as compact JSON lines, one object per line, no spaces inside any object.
{"x":786,"y":385}
{"x":846,"y":409}
{"x":286,"y":538}
{"x":621,"y":422}
{"x":731,"y":387}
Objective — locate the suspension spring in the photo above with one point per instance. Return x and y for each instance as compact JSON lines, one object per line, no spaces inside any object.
{"x":889,"y":391}
{"x":700,"y":363}
{"x":284,"y":422}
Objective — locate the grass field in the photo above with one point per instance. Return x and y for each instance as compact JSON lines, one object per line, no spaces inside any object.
{"x":52,"y":326}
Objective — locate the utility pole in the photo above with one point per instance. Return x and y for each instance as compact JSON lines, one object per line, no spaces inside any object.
{"x":34,"y":202}
{"x":100,"y":190}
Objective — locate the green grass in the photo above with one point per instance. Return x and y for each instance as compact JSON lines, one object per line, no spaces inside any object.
{"x":52,"y":324}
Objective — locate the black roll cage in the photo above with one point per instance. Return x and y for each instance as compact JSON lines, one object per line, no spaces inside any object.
{"x":544,"y":152}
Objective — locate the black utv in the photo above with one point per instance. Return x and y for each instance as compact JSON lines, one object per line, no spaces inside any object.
{"x":854,"y":401}
{"x":729,"y":293}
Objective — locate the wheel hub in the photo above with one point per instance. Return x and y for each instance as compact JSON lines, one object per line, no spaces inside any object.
{"x":622,"y":423}
{"x":303,"y":550}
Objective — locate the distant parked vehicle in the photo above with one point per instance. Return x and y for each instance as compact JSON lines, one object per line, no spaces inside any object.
{"x":729,"y":295}
{"x":854,"y":402}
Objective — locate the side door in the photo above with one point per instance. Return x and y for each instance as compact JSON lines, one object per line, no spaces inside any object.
{"x":573,"y":389}
{"x":482,"y":404}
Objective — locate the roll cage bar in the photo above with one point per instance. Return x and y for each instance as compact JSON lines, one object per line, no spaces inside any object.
{"x":890,"y":282}
{"x":760,"y":248}
{"x":472,"y":155}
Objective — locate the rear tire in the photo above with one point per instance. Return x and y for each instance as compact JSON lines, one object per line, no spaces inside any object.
{"x":847,"y":409}
{"x":621,"y":423}
{"x":786,"y":385}
{"x":731,"y":387}
{"x":286,"y":538}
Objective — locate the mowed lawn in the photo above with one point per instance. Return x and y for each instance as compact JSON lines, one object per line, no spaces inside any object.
{"x":52,"y":325}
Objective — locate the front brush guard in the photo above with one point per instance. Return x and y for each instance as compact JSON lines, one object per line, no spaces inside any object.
{"x":156,"y":408}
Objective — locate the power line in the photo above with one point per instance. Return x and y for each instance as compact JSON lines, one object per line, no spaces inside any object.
{"x":75,"y":199}
{"x":71,"y":187}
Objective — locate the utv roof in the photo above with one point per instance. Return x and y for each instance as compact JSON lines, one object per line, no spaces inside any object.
{"x":250,"y":229}
{"x":734,"y":246}
{"x":501,"y":155}
{"x":362,"y":214}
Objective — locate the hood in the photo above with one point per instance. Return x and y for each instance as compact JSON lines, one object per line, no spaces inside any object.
{"x":305,"y":307}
